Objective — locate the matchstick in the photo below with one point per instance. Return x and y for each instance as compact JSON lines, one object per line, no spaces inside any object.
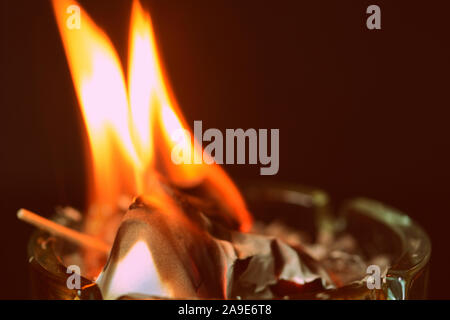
{"x":62,"y":231}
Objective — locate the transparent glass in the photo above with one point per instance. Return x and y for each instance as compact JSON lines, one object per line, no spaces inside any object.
{"x":377,"y":228}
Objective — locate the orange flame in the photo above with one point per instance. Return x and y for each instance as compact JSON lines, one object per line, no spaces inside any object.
{"x":131,"y":126}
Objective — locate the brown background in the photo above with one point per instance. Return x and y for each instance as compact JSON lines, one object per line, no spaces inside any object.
{"x":360,"y":112}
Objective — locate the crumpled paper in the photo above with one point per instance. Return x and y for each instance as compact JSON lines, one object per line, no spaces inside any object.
{"x":170,"y":248}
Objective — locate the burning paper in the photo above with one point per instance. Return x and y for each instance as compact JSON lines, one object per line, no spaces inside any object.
{"x":176,"y":251}
{"x":170,"y":243}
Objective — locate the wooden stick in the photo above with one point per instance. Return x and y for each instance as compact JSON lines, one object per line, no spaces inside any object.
{"x":62,"y":231}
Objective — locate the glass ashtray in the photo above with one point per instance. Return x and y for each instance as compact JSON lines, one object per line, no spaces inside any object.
{"x":377,"y":229}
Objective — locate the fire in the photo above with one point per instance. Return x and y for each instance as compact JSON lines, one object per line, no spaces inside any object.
{"x":133,"y":124}
{"x":138,"y":264}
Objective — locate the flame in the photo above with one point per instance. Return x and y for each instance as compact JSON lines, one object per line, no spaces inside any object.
{"x":133,"y":125}
{"x":136,"y":272}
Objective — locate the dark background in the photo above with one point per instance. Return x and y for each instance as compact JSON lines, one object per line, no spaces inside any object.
{"x":360,"y":112}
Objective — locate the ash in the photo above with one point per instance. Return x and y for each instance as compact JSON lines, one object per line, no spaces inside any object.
{"x":340,"y":255}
